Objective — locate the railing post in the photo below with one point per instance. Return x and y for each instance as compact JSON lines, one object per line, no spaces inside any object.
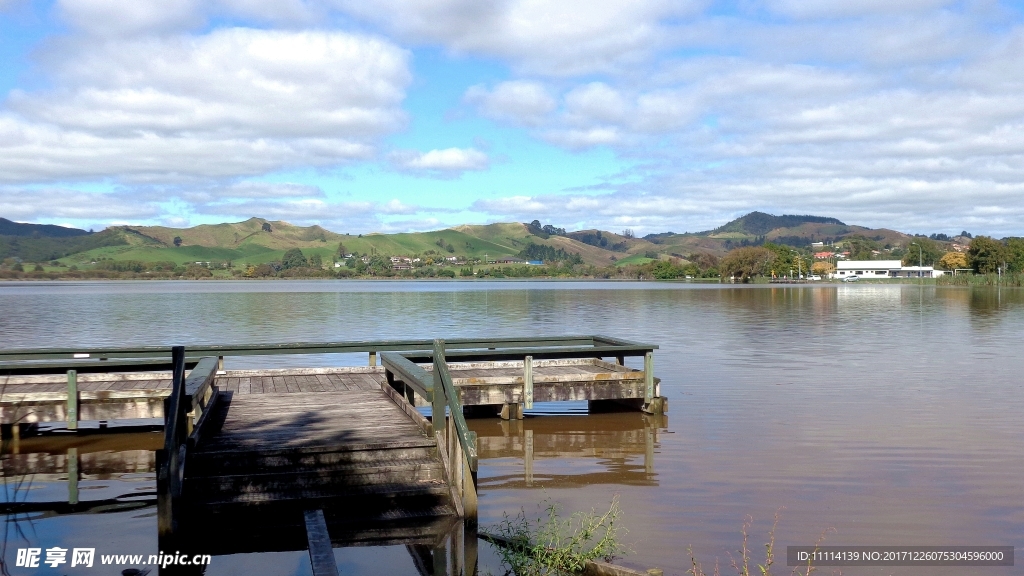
{"x":649,"y":377}
{"x":438,"y":403}
{"x":72,"y":400}
{"x":469,"y":502}
{"x":373,"y":357}
{"x":528,"y":383}
{"x":169,"y":460}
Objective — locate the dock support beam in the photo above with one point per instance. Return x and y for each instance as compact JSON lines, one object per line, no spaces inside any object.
{"x":72,"y":400}
{"x":512,"y":411}
{"x":528,"y":383}
{"x":648,"y":377}
{"x":653,"y":404}
{"x":373,"y":358}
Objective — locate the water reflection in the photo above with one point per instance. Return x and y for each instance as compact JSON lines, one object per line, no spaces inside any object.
{"x":86,"y":492}
{"x":568,"y":451}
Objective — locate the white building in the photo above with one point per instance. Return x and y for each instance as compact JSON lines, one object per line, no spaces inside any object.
{"x":868,"y":269}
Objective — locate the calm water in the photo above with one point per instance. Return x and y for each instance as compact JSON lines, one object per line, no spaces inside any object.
{"x":889,"y":415}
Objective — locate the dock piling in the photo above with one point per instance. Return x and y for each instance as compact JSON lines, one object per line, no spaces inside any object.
{"x":528,"y":382}
{"x":648,"y":377}
{"x":72,"y":413}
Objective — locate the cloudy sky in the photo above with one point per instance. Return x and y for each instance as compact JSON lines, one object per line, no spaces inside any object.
{"x":397,"y":115}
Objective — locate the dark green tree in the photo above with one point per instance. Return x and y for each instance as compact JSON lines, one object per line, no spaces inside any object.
{"x":294,"y":258}
{"x":861,"y":248}
{"x":1015,"y":262}
{"x":928,"y":254}
{"x":745,"y":263}
{"x":177,"y":240}
{"x":315,"y":261}
{"x":665,"y":270}
{"x":379,"y":265}
{"x":986,"y":255}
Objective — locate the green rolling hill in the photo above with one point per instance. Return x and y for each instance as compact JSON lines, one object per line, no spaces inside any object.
{"x":256,"y":241}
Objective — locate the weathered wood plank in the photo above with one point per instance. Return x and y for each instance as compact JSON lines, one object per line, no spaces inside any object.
{"x":321,"y":554}
{"x":325,"y":383}
{"x":307,"y":371}
{"x":339,"y":382}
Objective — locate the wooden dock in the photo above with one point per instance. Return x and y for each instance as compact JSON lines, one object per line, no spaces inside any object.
{"x":340,"y":455}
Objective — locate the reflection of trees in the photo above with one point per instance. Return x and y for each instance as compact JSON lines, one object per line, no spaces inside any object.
{"x":769,"y":308}
{"x":990,"y":301}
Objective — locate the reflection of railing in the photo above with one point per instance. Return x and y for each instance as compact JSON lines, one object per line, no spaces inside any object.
{"x":185,"y":411}
{"x":618,"y":449}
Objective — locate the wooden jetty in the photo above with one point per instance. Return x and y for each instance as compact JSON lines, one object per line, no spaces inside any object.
{"x":341,"y":455}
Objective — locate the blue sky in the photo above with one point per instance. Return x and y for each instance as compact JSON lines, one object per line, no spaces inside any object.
{"x":402,"y":115}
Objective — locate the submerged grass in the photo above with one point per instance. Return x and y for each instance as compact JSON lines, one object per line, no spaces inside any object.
{"x":554,"y":545}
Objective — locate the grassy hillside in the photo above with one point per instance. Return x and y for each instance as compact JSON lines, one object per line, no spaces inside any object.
{"x":257,"y":241}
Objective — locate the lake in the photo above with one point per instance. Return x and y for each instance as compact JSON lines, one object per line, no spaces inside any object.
{"x":882,"y":414}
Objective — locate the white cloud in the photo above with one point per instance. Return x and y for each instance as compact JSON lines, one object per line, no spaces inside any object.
{"x":445,"y":160}
{"x":595,"y":102}
{"x":34,"y":204}
{"x":244,"y":190}
{"x":233,"y":102}
{"x":574,"y":139}
{"x":519,"y":102}
{"x":278,"y":11}
{"x":295,"y":211}
{"x":847,"y":8}
{"x":122,"y":17}
{"x":337,"y":216}
{"x":560,"y":37}
{"x":395,"y":206}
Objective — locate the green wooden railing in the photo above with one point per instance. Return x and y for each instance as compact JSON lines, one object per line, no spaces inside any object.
{"x":186,"y":409}
{"x":455,"y":440}
{"x":55,"y":360}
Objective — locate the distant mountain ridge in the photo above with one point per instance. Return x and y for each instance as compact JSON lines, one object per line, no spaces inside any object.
{"x":11,"y":228}
{"x":760,"y":223}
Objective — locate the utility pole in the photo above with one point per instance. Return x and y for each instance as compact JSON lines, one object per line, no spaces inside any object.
{"x":920,"y":258}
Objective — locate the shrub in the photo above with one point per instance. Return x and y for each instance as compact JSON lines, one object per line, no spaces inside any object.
{"x":553,"y":545}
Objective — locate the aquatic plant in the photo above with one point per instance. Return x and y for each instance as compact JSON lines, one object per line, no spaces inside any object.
{"x":742,"y":564}
{"x":554,"y":545}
